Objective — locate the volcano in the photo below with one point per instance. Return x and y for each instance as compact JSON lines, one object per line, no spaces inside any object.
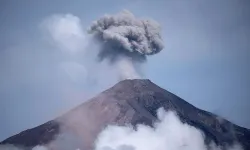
{"x":129,"y":102}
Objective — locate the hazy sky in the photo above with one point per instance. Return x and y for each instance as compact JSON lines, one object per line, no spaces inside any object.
{"x":205,"y":60}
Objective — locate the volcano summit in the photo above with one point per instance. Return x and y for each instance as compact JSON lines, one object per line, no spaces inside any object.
{"x":133,"y":103}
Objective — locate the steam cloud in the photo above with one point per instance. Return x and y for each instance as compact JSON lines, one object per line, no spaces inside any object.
{"x":66,"y":32}
{"x":167,"y":134}
{"x":126,"y":40}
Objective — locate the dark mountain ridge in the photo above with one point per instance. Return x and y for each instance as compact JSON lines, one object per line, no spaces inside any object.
{"x":131,"y":102}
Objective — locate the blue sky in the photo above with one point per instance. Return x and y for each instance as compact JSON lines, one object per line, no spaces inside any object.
{"x":205,"y":60}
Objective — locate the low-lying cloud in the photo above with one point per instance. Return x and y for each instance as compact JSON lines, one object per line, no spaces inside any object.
{"x":167,"y":134}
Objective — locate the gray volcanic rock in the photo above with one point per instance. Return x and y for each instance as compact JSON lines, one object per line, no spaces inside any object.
{"x":130,"y":102}
{"x":39,"y":135}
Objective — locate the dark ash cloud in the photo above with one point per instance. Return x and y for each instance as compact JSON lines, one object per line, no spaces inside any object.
{"x":123,"y":35}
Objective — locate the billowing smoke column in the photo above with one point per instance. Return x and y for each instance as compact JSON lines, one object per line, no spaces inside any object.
{"x":126,"y":40}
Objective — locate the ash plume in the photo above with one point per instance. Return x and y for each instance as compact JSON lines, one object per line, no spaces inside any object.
{"x":124,"y":37}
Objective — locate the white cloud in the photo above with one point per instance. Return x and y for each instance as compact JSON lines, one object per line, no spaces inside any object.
{"x":38,"y":147}
{"x":168,"y":134}
{"x":66,"y":31}
{"x":67,"y":34}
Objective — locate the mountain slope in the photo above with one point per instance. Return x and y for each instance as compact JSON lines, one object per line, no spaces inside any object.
{"x":130,"y":102}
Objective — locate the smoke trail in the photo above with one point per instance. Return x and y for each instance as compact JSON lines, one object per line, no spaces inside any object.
{"x":126,"y":40}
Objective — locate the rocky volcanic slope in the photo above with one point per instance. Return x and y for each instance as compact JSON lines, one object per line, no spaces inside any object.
{"x":130,"y":101}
